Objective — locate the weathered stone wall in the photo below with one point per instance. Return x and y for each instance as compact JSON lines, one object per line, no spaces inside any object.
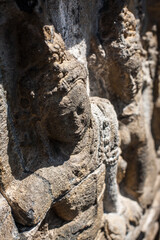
{"x":79,"y":119}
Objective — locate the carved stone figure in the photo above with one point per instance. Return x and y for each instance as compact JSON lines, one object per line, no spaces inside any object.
{"x":69,"y":71}
{"x":122,"y":78}
{"x":60,"y":128}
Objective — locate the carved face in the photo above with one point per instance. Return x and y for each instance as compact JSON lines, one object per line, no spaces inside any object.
{"x":67,"y":114}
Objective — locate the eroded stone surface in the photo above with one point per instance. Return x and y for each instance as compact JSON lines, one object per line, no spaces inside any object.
{"x":8,"y":229}
{"x":70,"y":70}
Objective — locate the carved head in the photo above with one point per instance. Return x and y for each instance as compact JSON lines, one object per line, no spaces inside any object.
{"x":66,"y":108}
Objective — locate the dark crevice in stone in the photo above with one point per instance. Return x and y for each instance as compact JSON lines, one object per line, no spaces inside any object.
{"x":27,"y":5}
{"x":82,"y":230}
{"x":141,"y":236}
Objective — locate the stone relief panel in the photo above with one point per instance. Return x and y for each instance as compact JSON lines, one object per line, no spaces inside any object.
{"x":77,"y":155}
